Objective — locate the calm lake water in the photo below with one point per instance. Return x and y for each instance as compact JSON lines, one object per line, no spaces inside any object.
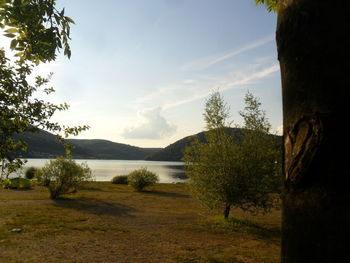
{"x":105,"y":170}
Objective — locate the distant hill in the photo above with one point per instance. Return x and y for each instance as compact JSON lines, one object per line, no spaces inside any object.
{"x":175,"y":151}
{"x":43,"y":144}
{"x":103,"y":149}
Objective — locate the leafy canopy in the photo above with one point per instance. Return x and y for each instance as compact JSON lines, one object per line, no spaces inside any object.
{"x":38,"y":31}
{"x":271,"y":5}
{"x":224,"y":171}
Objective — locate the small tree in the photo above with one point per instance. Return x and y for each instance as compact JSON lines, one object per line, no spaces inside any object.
{"x":142,"y":178}
{"x":224,"y":172}
{"x":260,"y":157}
{"x":64,"y":175}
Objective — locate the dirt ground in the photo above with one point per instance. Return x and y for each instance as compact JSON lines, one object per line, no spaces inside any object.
{"x":112,"y":223}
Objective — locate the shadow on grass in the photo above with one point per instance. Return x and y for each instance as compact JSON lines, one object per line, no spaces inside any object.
{"x":20,"y":189}
{"x":271,"y":234}
{"x":96,"y":207}
{"x":90,"y":188}
{"x":166,"y":194}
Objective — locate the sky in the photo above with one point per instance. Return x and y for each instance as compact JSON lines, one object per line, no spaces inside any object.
{"x":141,"y":70}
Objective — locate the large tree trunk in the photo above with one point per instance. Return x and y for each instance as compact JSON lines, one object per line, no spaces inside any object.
{"x":313,"y":49}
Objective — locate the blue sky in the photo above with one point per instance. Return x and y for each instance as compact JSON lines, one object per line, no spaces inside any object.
{"x":141,"y":70}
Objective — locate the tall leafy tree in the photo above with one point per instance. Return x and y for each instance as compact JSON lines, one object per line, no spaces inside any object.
{"x":225,"y":173}
{"x":38,"y":31}
{"x":313,"y":50}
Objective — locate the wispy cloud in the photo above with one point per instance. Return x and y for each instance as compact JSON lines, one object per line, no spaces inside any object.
{"x":227,"y":86}
{"x":177,"y":94}
{"x":212,"y":60}
{"x":252,"y":77}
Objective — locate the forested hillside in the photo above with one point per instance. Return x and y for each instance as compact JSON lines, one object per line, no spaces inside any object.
{"x":45,"y":145}
{"x":174,"y":151}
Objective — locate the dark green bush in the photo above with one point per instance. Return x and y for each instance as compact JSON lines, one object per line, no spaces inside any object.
{"x":139,"y":179}
{"x":30,"y":172}
{"x":120,"y":179}
{"x":64,"y":176}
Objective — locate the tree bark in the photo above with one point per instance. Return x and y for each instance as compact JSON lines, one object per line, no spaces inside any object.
{"x":227,"y":211}
{"x":313,"y":50}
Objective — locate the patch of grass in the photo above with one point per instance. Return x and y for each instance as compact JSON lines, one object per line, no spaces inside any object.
{"x":165,"y":225}
{"x":221,"y":258}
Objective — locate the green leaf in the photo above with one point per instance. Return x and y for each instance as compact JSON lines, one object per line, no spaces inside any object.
{"x":13,"y":44}
{"x":271,"y":5}
{"x":11,"y":30}
{"x":9,"y":35}
{"x":70,"y":20}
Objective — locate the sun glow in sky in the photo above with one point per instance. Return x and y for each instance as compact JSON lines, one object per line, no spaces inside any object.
{"x":141,"y":70}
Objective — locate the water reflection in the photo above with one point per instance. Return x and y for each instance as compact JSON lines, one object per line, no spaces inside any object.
{"x":178,"y":171}
{"x":105,"y":170}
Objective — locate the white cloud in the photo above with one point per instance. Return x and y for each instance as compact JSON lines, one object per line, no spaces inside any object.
{"x":212,"y":60}
{"x":152,"y":126}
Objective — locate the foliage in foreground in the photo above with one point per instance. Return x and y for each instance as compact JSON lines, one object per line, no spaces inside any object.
{"x":36,"y":37}
{"x":142,"y":178}
{"x":63,"y":176}
{"x":271,"y":5}
{"x":222,"y":172}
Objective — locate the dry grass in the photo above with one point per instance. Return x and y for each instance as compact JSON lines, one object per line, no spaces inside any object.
{"x":112,"y":223}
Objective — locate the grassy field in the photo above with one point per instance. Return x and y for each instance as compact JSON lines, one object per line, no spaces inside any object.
{"x":112,"y":223}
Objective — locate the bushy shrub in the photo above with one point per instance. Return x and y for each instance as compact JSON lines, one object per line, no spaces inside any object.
{"x":16,"y":183}
{"x":30,"y":172}
{"x":120,"y":179}
{"x":5,"y":183}
{"x":141,"y":178}
{"x":40,"y":177}
{"x":64,"y":176}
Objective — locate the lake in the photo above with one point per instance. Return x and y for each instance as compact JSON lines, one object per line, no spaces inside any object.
{"x":105,"y":170}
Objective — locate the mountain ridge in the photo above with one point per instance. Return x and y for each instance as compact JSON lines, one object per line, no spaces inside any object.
{"x":43,"y":144}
